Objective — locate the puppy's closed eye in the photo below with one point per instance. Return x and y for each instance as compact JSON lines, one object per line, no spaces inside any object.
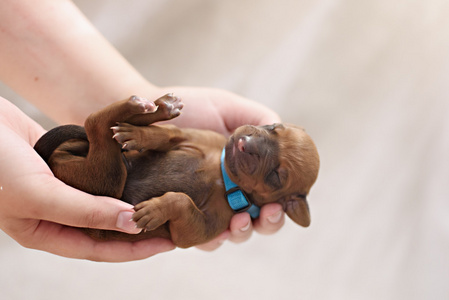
{"x":273,"y":179}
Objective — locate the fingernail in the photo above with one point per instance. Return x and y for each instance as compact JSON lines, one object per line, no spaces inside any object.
{"x":125,"y":222}
{"x":246,"y":227}
{"x":275,"y":218}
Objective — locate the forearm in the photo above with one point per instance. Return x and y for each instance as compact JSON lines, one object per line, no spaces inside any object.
{"x":52,"y":56}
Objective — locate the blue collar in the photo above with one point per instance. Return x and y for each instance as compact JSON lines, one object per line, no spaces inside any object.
{"x":237,"y":199}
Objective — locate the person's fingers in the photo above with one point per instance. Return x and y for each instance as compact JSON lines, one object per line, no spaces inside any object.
{"x":56,"y":202}
{"x":271,"y":219}
{"x":215,"y":243}
{"x":220,"y":110}
{"x":30,"y":190}
{"x":241,"y":228}
{"x":248,"y":112}
{"x":71,"y":242}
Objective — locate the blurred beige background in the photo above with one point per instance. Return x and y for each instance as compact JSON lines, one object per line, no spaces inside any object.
{"x":369,"y":80}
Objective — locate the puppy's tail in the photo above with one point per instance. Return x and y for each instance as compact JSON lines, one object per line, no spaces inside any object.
{"x":55,"y":137}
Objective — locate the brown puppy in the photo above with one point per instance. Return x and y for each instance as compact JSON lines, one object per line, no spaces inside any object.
{"x":180,"y":179}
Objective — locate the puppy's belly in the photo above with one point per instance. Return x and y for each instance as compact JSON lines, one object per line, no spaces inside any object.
{"x":152,"y":174}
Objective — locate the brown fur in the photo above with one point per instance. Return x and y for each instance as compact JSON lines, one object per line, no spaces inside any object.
{"x":173,"y":175}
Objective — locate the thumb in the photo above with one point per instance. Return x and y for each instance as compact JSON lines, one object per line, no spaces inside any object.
{"x":247,"y":112}
{"x":72,"y":207}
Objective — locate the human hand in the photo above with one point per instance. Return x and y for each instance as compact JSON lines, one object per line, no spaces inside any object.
{"x":88,"y":81}
{"x":216,"y":109}
{"x":224,"y":111}
{"x":41,"y":212}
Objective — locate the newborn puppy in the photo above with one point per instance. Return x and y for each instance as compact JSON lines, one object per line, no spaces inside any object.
{"x":186,"y":184}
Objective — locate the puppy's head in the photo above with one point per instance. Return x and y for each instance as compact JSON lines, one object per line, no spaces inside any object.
{"x":274,"y":163}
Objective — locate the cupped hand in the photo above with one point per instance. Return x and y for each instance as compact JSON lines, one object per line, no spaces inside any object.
{"x":217,"y":109}
{"x":41,"y":212}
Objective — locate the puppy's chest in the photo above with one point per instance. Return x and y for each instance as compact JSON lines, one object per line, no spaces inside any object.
{"x":152,"y":174}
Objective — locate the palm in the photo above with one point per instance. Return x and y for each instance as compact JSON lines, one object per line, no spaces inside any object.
{"x":219,"y":110}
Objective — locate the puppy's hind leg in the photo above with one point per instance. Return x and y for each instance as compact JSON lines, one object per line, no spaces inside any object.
{"x":103,"y":170}
{"x":100,"y":170}
{"x":168,"y":107}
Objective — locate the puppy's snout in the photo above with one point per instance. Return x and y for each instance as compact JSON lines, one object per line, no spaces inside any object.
{"x":246,"y":144}
{"x":242,"y":143}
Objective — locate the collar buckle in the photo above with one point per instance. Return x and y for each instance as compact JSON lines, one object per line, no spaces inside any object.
{"x":234,"y":195}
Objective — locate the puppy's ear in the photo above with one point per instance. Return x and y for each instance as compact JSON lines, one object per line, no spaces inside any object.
{"x":297,"y":209}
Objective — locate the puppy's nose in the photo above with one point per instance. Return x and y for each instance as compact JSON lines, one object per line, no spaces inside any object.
{"x":242,"y":143}
{"x":246,"y":144}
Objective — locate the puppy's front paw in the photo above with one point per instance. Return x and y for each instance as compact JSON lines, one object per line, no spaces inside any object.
{"x":149,"y":215}
{"x":139,"y":105}
{"x":126,"y":135}
{"x":169,"y":106}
